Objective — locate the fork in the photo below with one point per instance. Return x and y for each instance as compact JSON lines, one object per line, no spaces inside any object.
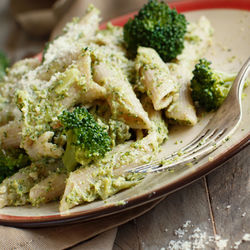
{"x":218,"y":130}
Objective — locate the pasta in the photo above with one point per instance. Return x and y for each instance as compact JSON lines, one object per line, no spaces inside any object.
{"x":156,"y":77}
{"x":15,"y":189}
{"x":122,"y":100}
{"x":48,"y":189}
{"x":198,"y":39}
{"x":10,"y":135}
{"x":88,"y":69}
{"x":93,"y":182}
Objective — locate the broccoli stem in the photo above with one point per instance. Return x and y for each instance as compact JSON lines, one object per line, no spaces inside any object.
{"x":4,"y":63}
{"x":68,"y":158}
{"x":226,"y":77}
{"x":86,"y":139}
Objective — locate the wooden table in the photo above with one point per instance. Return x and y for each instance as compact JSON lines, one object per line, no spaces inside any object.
{"x":218,"y":204}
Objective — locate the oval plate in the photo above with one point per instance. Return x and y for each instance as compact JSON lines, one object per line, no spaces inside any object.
{"x":230,"y":19}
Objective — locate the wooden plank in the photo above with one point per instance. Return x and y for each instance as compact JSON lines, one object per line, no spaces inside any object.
{"x":229,"y":190}
{"x":155,"y":229}
{"x":127,"y":237}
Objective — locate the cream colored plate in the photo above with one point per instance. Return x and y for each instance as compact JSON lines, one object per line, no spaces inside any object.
{"x":230,"y":49}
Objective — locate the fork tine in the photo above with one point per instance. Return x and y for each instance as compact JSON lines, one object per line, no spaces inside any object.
{"x":170,"y":157}
{"x":200,"y":142}
{"x":191,"y":144}
{"x":199,"y":147}
{"x":197,"y":139}
{"x":144,"y":167}
{"x":205,"y":141}
{"x":187,"y":157}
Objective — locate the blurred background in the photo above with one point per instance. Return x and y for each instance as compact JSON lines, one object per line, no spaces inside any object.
{"x":27,"y":24}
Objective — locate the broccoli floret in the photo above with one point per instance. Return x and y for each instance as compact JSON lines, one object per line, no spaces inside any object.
{"x":11,"y":162}
{"x":4,"y":63}
{"x":159,"y":27}
{"x":209,"y":88}
{"x":86,"y":139}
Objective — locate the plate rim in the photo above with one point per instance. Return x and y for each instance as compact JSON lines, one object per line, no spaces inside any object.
{"x":93,"y":214}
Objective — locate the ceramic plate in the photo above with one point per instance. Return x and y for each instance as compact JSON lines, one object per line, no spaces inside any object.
{"x":231,"y":46}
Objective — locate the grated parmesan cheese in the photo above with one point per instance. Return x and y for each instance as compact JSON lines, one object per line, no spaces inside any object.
{"x":244,"y":214}
{"x":220,"y":243}
{"x":194,"y":239}
{"x":246,"y":237}
{"x":237,"y":244}
{"x":198,"y":239}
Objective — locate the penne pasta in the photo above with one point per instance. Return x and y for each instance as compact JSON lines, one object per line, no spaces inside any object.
{"x":49,"y":189}
{"x":42,"y":147}
{"x":68,"y":46}
{"x":156,"y":76}
{"x":15,"y":189}
{"x":91,"y":110}
{"x":123,"y":102}
{"x":10,"y":135}
{"x":198,"y":39}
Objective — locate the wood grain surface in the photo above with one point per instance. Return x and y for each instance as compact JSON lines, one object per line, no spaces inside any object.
{"x":218,"y":204}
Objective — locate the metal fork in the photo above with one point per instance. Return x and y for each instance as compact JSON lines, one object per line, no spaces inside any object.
{"x":220,"y":127}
